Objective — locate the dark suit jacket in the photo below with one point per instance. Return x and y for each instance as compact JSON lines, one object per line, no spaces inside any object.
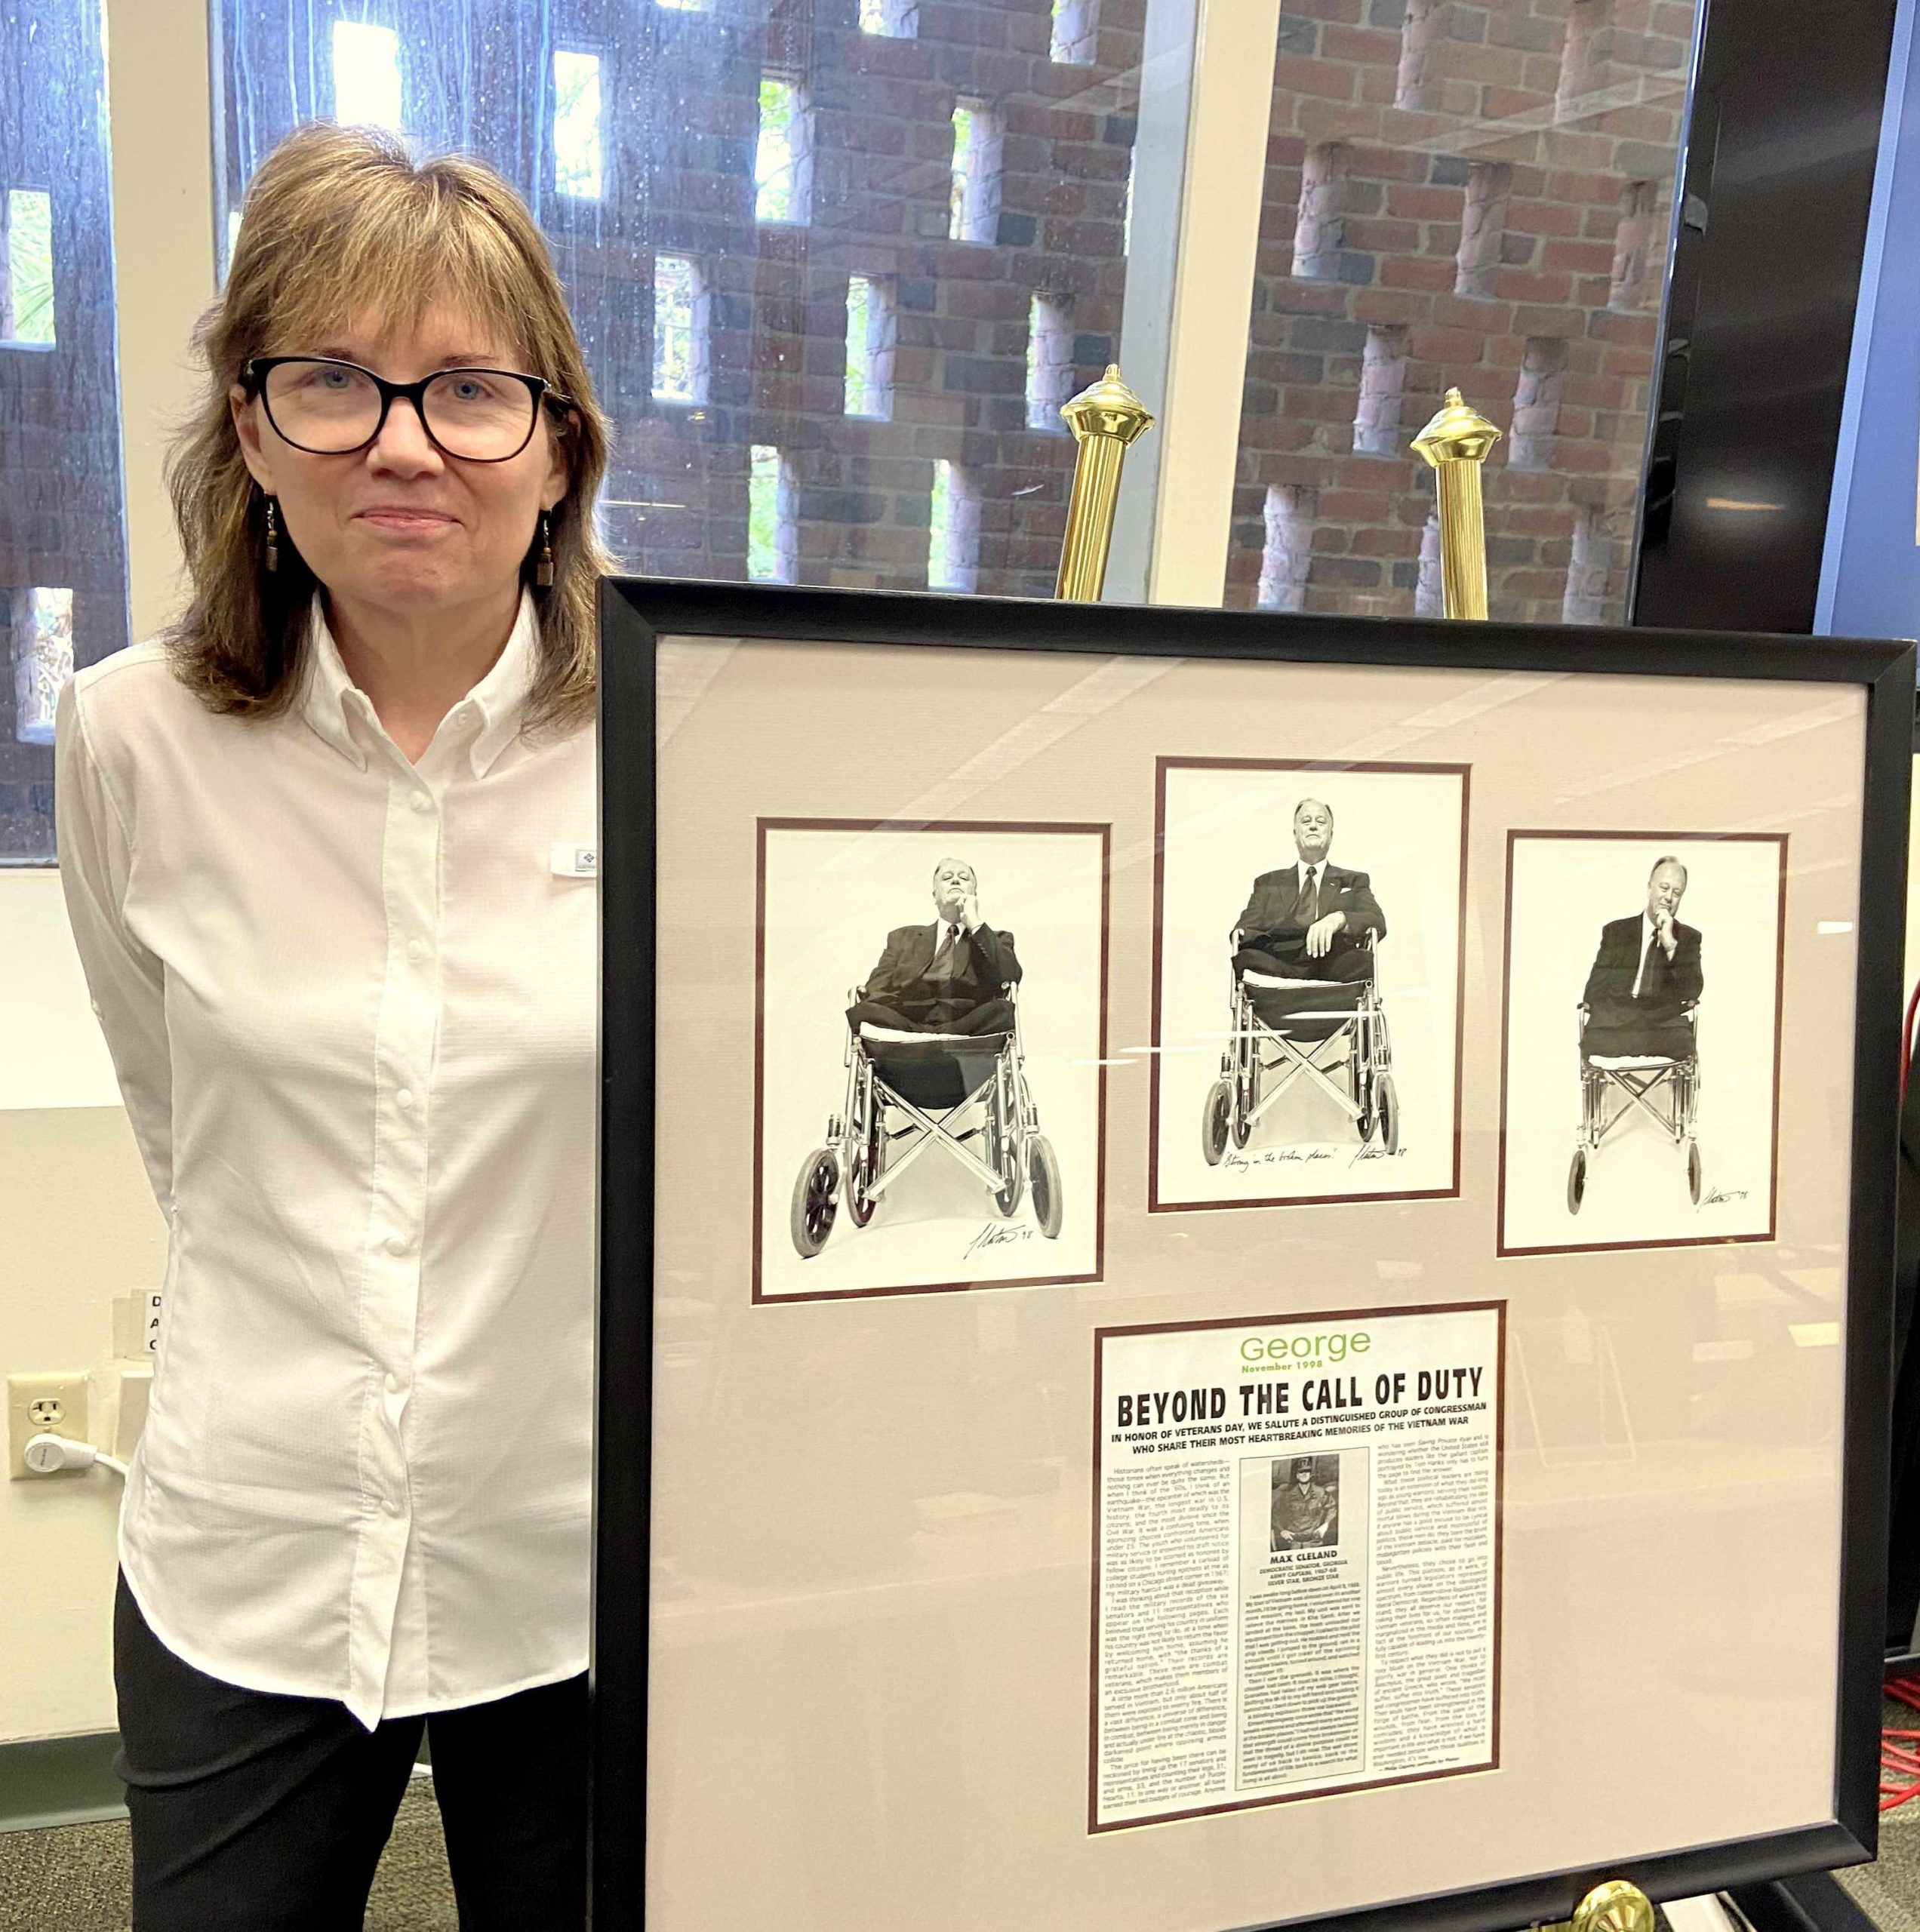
{"x":1270,"y":909}
{"x":985,"y":967}
{"x":1669,"y":986}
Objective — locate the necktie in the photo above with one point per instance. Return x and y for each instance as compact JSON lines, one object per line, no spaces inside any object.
{"x":943,"y":953}
{"x":1646,"y":960}
{"x":1306,"y":908}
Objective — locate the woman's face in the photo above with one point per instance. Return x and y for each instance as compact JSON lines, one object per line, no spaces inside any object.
{"x":397,"y":527}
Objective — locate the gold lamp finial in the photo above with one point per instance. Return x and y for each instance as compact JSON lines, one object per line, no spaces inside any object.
{"x":1455,"y":443}
{"x":1459,"y":434}
{"x":1106,"y":420}
{"x":1616,"y":1906}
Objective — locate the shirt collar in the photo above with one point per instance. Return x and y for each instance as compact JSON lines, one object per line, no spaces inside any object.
{"x":342,"y":715}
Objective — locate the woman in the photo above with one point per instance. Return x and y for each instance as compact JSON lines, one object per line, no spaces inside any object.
{"x":327,"y":850}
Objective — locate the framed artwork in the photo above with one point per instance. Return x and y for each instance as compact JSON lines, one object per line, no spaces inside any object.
{"x":1607,"y":997}
{"x":1230,"y":1244}
{"x":907,"y":1143}
{"x":1273,"y":1082}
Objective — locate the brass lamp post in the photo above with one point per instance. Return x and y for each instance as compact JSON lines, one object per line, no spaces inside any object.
{"x":1455,"y":443}
{"x":1106,"y":420}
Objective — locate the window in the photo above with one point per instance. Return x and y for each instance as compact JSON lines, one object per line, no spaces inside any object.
{"x":754,"y":170}
{"x":772,"y":539}
{"x":784,"y":158}
{"x":62,"y":544}
{"x":1634,"y":241}
{"x":973,"y":201}
{"x":1508,"y":239}
{"x":1536,"y":404}
{"x":1286,"y":554}
{"x":1049,"y":361}
{"x":43,"y":660}
{"x":577,"y":124}
{"x":953,"y":530}
{"x":1327,"y":194}
{"x":1382,"y":382}
{"x":1483,"y":229}
{"x":897,"y":20}
{"x":870,"y":326}
{"x":26,"y":299}
{"x":1076,"y":23}
{"x":680,"y":362}
{"x":367,"y":75}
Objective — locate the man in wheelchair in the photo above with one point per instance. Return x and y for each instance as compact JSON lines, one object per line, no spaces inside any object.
{"x":948,"y":976}
{"x":1645,"y":977}
{"x":1638,"y":1040}
{"x":933,"y":1060}
{"x":1306,"y":1007}
{"x":1310,"y":921}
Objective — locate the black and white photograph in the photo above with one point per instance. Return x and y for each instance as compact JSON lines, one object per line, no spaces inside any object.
{"x":1642,"y":1039}
{"x":1307,"y":981}
{"x":928,"y":1056}
{"x":1305,"y":1509}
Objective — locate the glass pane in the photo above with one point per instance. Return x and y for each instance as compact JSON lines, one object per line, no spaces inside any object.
{"x":1469,"y":196}
{"x":818,"y":237}
{"x":62,"y":550}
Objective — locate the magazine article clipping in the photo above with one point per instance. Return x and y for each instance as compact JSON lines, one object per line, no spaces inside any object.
{"x":1297,"y":1587}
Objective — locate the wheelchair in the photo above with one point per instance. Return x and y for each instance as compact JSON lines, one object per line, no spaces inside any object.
{"x":1331,"y":1033}
{"x":908,"y":1092}
{"x":1665,"y":1086}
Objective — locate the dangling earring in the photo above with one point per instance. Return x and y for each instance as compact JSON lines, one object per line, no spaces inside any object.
{"x":544,"y":569}
{"x":272,"y":558}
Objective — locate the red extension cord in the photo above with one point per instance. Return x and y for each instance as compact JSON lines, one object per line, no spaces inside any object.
{"x":1899,"y":1762}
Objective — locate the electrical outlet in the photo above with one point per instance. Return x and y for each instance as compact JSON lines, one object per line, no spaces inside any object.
{"x":43,"y":1404}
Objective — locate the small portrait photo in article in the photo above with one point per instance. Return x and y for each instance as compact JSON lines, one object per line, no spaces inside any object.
{"x":929,"y":1029}
{"x":1305,"y":1511}
{"x":1642,"y":1039}
{"x":1307,"y":975}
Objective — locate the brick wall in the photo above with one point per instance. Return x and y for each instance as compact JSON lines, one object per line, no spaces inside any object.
{"x":681,"y":92}
{"x":61,"y":524}
{"x":1489,"y":186}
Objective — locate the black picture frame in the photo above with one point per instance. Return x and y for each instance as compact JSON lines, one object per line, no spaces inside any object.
{"x":636,"y":612}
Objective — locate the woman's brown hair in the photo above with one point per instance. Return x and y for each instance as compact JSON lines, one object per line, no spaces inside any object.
{"x":339,"y":223}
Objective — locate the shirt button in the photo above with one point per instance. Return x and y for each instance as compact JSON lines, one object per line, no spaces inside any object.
{"x":392,"y":1505}
{"x":422,"y":803}
{"x":395,"y":1244}
{"x":404,"y":1099}
{"x":417,"y":950}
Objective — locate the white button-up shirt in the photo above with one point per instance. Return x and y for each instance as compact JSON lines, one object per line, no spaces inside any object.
{"x":351,"y":1001}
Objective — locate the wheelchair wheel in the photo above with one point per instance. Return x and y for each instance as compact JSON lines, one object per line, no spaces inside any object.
{"x":1693,"y":1170}
{"x":1044,"y":1184}
{"x":1387,"y":1101}
{"x":1003,"y":1155}
{"x":861,"y":1176}
{"x":811,"y":1220}
{"x":1243,"y":1121}
{"x":1217,"y":1122}
{"x":1576,"y":1181}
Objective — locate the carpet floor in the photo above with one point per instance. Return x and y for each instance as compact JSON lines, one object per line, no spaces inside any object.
{"x":75,"y":1877}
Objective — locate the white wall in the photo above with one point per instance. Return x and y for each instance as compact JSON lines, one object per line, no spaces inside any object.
{"x":80,"y":1223}
{"x":80,"y":1229}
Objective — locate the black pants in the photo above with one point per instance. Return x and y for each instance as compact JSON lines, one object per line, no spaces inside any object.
{"x":992,"y":1015}
{"x":253,"y":1813}
{"x":1346,"y":964}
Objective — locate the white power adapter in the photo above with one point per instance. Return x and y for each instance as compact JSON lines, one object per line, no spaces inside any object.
{"x":47,"y":1455}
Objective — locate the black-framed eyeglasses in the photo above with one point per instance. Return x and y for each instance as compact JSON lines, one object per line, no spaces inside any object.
{"x":332,"y":408}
